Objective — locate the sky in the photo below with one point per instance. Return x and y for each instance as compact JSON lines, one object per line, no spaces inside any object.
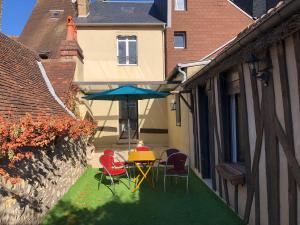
{"x":17,"y":12}
{"x":15,"y":15}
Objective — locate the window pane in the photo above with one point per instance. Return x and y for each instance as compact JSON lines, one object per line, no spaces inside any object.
{"x":122,"y":52}
{"x":180,"y":5}
{"x":132,"y":52}
{"x":179,"y":40}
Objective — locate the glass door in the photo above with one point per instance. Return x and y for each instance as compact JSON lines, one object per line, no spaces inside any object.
{"x":128,"y":109}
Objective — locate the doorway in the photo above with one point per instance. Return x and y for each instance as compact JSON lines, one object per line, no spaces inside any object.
{"x":128,"y":110}
{"x":204,"y":119}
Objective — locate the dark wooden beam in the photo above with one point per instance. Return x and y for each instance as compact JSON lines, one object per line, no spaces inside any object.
{"x":186,"y":102}
{"x":211,"y":137}
{"x":288,"y":151}
{"x":253,"y":186}
{"x":196,"y":129}
{"x":236,"y":199}
{"x":221,"y":119}
{"x":288,"y":120}
{"x":271,"y":153}
{"x":219,"y":146}
{"x":178,"y":110}
{"x":245,"y":145}
{"x":296,"y":38}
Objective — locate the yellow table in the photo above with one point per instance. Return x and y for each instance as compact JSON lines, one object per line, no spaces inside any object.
{"x":140,"y":158}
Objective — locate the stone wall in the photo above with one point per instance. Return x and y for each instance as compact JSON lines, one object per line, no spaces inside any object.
{"x":45,"y":179}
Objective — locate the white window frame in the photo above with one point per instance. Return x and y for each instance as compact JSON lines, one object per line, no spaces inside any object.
{"x":127,"y":40}
{"x":176,"y":5}
{"x":184,"y":39}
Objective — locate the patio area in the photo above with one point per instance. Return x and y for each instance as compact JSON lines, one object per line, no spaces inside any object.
{"x":85,"y":204}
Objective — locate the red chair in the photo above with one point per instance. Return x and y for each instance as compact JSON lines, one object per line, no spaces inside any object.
{"x":167,"y":152}
{"x":111,"y":170}
{"x":108,"y":152}
{"x":112,"y":153}
{"x":180,"y":168}
{"x":142,"y":149}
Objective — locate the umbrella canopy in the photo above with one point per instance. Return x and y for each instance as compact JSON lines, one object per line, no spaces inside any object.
{"x":126,"y":93}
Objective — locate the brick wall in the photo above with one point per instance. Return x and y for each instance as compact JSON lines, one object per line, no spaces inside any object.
{"x":208,"y":25}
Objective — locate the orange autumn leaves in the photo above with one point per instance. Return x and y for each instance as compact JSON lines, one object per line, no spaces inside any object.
{"x":36,"y":133}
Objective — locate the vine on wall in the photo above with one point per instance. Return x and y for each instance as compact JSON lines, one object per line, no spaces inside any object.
{"x":18,"y":138}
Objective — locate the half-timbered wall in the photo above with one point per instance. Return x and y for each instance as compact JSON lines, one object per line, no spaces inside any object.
{"x":271,"y":118}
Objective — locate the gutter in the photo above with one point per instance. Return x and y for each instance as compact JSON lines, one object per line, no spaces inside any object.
{"x":118,"y":24}
{"x":51,"y":89}
{"x":180,"y":66}
{"x":290,"y":8}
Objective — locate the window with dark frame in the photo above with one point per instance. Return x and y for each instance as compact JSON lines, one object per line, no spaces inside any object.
{"x":232,"y":119}
{"x":127,"y":50}
{"x":180,"y":40}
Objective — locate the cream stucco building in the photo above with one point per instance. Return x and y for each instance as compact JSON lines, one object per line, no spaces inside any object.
{"x":127,"y":49}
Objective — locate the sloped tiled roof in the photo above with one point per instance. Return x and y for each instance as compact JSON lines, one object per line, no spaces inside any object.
{"x":121,"y":13}
{"x":61,"y":75}
{"x":43,"y":33}
{"x":22,"y":87}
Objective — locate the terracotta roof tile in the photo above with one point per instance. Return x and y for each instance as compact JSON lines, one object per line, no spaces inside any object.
{"x":22,"y":87}
{"x":61,"y":75}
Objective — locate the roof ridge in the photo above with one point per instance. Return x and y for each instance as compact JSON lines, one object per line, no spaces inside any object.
{"x":34,"y":53}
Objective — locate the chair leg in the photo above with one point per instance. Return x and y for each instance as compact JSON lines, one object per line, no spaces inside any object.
{"x":128,"y":179}
{"x":99,"y":183}
{"x":112,"y":183}
{"x":187,"y":184}
{"x":157,"y":172}
{"x":164,"y":183}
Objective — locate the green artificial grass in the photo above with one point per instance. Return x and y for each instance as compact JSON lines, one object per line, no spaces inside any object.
{"x":85,"y":204}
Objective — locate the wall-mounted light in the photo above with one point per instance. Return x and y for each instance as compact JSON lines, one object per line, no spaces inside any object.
{"x":173,"y":105}
{"x":253,"y":64}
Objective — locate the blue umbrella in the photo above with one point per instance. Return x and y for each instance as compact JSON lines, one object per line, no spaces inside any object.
{"x":126,"y":93}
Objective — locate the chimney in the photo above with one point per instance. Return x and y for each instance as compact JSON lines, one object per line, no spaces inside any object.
{"x":83,"y":8}
{"x":69,"y":48}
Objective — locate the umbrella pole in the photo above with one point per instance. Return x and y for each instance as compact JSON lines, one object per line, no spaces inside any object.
{"x":128,"y":125}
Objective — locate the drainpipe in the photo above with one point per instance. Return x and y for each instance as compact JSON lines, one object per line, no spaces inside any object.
{"x":183,"y":73}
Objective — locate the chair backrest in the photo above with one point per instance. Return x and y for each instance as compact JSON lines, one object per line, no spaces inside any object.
{"x":171,"y":151}
{"x":178,"y":160}
{"x":168,"y":152}
{"x":108,"y":152}
{"x":107,"y":161}
{"x":142,"y":149}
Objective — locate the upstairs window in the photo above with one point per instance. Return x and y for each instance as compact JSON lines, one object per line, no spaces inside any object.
{"x":180,"y":5}
{"x":179,"y":40}
{"x":127,"y":50}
